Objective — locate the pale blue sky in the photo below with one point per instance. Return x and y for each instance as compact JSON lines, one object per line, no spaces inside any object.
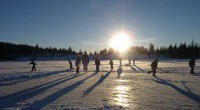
{"x":90,"y":24}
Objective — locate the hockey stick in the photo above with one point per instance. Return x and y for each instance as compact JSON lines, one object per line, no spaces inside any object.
{"x":197,"y":67}
{"x":162,"y":70}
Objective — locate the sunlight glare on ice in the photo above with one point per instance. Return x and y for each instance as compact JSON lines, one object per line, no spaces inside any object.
{"x":121,"y":95}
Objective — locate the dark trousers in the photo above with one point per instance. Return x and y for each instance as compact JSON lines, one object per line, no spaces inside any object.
{"x":192,"y":69}
{"x":71,"y":68}
{"x":153,"y":71}
{"x":77,"y":69}
{"x":85,"y":67}
{"x":97,"y":68}
{"x":33,"y":68}
{"x":111,"y":66}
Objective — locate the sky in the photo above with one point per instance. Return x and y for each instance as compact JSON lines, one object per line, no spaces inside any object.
{"x":91,"y":24}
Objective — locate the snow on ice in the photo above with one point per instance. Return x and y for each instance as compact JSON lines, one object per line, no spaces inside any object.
{"x":54,"y":87}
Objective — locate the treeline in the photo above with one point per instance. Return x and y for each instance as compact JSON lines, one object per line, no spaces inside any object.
{"x":135,"y":50}
{"x":11,"y":51}
{"x":182,"y":50}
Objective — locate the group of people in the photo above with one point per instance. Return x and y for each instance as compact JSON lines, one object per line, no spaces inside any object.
{"x":85,"y":61}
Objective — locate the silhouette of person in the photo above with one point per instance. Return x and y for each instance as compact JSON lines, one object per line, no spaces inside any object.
{"x":129,"y":61}
{"x":154,"y":66}
{"x":120,"y":61}
{"x":71,"y":66}
{"x":78,"y":63}
{"x":192,"y":64}
{"x":33,"y":67}
{"x":97,"y":63}
{"x":133,"y":61}
{"x":111,"y":64}
{"x":85,"y":61}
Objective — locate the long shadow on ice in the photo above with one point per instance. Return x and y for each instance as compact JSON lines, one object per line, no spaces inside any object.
{"x":30,"y":67}
{"x":196,"y":74}
{"x":187,"y":93}
{"x":39,"y":104}
{"x":96,"y":84}
{"x":139,"y":68}
{"x":132,"y":68}
{"x":162,"y":70}
{"x":13,"y":99}
{"x":119,"y":71}
{"x":17,"y":79}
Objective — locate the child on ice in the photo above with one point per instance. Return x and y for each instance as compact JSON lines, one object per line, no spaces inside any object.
{"x":154,"y":66}
{"x":70,"y":63}
{"x":192,"y":65}
{"x":111,"y":64}
{"x":97,"y":63}
{"x":78,"y":63}
{"x":33,"y":67}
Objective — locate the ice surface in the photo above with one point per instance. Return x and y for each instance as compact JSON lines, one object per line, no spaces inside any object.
{"x":54,"y":87}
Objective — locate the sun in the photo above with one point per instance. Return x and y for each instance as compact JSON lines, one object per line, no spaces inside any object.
{"x":120,"y":42}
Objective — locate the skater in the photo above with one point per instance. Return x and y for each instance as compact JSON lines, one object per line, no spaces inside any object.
{"x":154,"y":66}
{"x":33,"y":67}
{"x":120,"y":61}
{"x":97,"y":63}
{"x":133,"y":61}
{"x":70,"y":63}
{"x":192,"y":65}
{"x":129,"y":61}
{"x":111,"y":64}
{"x":78,"y":63}
{"x":85,"y":61}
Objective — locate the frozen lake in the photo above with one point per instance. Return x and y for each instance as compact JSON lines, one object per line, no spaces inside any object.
{"x":54,"y":87}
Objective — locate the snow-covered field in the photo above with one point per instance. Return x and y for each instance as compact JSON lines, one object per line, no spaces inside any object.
{"x":54,"y":87}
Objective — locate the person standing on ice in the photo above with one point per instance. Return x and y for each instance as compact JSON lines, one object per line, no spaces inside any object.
{"x":120,"y":61}
{"x":33,"y":67}
{"x":154,"y":66}
{"x":111,"y":63}
{"x":133,"y":61}
{"x":70,"y":63}
{"x":129,"y":60}
{"x":192,"y":65}
{"x":85,"y":61}
{"x":97,"y":63}
{"x":78,"y":63}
